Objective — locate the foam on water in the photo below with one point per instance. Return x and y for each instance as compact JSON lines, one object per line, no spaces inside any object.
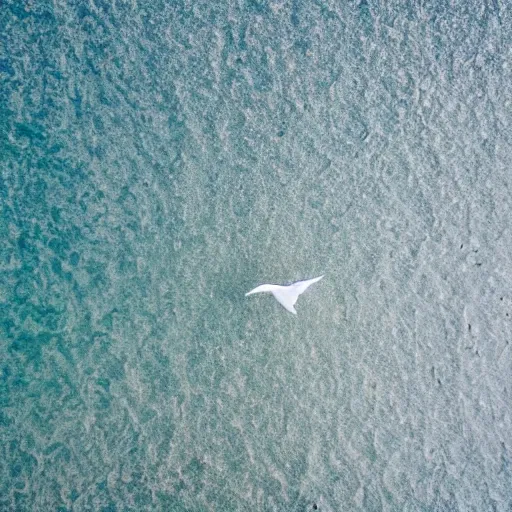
{"x":159,"y":159}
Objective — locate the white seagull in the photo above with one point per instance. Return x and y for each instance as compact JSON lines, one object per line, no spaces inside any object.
{"x":286,"y":295}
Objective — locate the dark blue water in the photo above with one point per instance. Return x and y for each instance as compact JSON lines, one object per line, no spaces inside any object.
{"x":160,"y":159}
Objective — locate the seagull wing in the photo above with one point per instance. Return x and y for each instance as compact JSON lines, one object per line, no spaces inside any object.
{"x":302,"y":286}
{"x":263,"y":288}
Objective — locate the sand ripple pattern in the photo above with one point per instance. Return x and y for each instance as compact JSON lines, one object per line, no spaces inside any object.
{"x":159,"y":159}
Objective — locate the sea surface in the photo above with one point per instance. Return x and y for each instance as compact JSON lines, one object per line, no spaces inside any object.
{"x":159,"y":159}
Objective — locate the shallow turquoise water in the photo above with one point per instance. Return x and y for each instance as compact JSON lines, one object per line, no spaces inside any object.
{"x":159,"y":160}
